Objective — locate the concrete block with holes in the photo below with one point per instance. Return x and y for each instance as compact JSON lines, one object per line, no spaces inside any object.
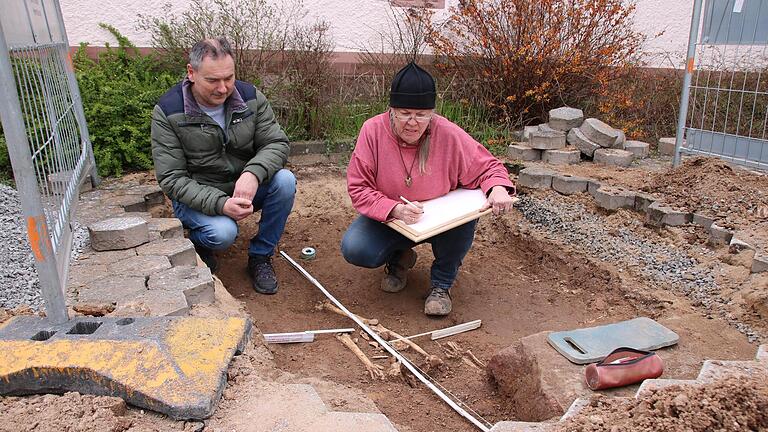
{"x":176,"y":366}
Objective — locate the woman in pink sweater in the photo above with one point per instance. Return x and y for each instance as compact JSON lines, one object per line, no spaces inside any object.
{"x":412,"y":152}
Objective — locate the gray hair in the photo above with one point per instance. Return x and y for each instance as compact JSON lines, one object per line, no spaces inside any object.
{"x":213,"y":48}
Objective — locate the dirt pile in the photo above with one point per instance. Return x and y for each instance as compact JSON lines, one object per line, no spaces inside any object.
{"x":736,"y":403}
{"x":70,"y":412}
{"x":709,"y":185}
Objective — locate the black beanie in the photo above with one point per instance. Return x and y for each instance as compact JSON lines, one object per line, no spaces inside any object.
{"x":412,"y":87}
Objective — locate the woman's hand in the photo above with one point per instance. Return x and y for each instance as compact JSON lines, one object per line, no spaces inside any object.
{"x":499,"y":200}
{"x":410,"y":214}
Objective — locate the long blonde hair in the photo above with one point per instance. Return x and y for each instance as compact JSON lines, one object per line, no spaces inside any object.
{"x":423,"y":144}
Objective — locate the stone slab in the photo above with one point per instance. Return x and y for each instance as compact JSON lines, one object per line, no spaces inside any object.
{"x":113,"y":289}
{"x":523,"y":152}
{"x":176,"y":366}
{"x":104,"y":258}
{"x":667,"y":146}
{"x":650,"y":385}
{"x":577,"y":139}
{"x":546,"y":140}
{"x":589,"y":345}
{"x":599,"y":132}
{"x":660,"y":215}
{"x":593,"y":186}
{"x":719,"y":235}
{"x":565,"y":118}
{"x":83,"y":274}
{"x":160,"y":303}
{"x":535,"y":178}
{"x":195,"y":282}
{"x":762,"y":353}
{"x":614,"y":198}
{"x":713,"y":370}
{"x":643,"y":201}
{"x":621,"y":140}
{"x":165,"y":228}
{"x":640,"y":149}
{"x":759,"y":263}
{"x":518,"y":426}
{"x":130,"y":202}
{"x":527,"y":132}
{"x":118,"y":233}
{"x":737,"y":244}
{"x":180,"y":251}
{"x":567,"y":184}
{"x":613,"y":157}
{"x":563,"y":156}
{"x":703,"y":220}
{"x":141,"y":265}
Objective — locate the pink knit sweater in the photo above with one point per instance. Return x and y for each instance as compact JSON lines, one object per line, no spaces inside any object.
{"x":376,"y":176}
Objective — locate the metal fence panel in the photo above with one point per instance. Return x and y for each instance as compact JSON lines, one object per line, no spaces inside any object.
{"x":724,"y":108}
{"x":46,"y":134}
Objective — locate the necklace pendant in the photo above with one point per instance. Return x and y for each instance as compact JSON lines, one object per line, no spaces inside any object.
{"x":408,"y":181}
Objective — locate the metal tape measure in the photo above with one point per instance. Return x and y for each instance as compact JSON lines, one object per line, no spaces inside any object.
{"x":308,"y":253}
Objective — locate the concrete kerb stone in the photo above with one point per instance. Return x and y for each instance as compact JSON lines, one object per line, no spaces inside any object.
{"x":577,"y":139}
{"x":176,"y":366}
{"x":660,"y":215}
{"x":703,"y":220}
{"x":546,"y":140}
{"x":614,"y":157}
{"x":564,"y":156}
{"x":180,"y":251}
{"x":640,"y":149}
{"x":599,"y":132}
{"x":535,"y":178}
{"x":523,"y":152}
{"x":196,"y":283}
{"x":164,"y":228}
{"x":614,"y":198}
{"x":759,"y":264}
{"x":719,"y":235}
{"x":592,"y":187}
{"x":565,"y":118}
{"x":567,"y":184}
{"x":666,"y":146}
{"x":643,"y":201}
{"x":118,"y":233}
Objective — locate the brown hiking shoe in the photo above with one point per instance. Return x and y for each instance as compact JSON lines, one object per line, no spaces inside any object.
{"x":438,"y":302}
{"x":397,"y":274}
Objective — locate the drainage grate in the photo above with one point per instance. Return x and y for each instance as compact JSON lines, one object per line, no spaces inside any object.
{"x":84,"y":328}
{"x":43,"y":335}
{"x":125,"y":321}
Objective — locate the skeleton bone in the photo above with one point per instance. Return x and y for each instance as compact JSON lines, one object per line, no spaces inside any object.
{"x":376,"y":371}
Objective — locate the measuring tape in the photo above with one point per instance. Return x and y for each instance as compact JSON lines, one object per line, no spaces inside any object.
{"x":308,"y":253}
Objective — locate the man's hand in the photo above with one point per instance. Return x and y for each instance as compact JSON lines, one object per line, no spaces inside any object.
{"x":410,"y":214}
{"x":500,"y":200}
{"x":246,"y":186}
{"x":238,"y":208}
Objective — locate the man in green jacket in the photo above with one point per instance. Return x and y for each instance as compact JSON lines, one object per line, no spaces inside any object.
{"x":219,"y":155}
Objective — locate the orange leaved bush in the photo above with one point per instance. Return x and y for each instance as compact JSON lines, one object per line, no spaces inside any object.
{"x":521,"y":58}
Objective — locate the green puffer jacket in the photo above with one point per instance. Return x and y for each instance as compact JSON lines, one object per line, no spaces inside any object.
{"x":196,"y":163}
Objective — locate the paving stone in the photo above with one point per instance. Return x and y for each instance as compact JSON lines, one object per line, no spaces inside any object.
{"x":762,"y":353}
{"x":165,"y":228}
{"x":667,"y":146}
{"x":130,"y":202}
{"x":118,"y":233}
{"x":703,"y":220}
{"x":599,"y":132}
{"x":614,"y":198}
{"x":565,"y":118}
{"x":103,"y":258}
{"x":643,"y":201}
{"x":539,"y":382}
{"x":592,"y":186}
{"x":523,"y":152}
{"x":527,"y":132}
{"x":544,"y":127}
{"x":719,"y":235}
{"x":640,"y":149}
{"x":195,"y":282}
{"x":564,"y":156}
{"x":535,"y":178}
{"x":759,"y":263}
{"x":141,"y":265}
{"x":713,"y":370}
{"x":180,"y":251}
{"x":660,"y":215}
{"x":161,"y":303}
{"x":650,"y":385}
{"x":113,"y":289}
{"x":614,"y":157}
{"x":577,"y":139}
{"x":621,"y":140}
{"x":81,"y":275}
{"x":139,"y":214}
{"x":567,"y":184}
{"x":546,"y":140}
{"x":90,"y":214}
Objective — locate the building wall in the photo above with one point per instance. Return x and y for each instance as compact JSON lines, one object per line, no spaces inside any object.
{"x":355,"y":24}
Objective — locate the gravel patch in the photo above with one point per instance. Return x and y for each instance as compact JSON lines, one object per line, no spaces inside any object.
{"x":660,"y":263}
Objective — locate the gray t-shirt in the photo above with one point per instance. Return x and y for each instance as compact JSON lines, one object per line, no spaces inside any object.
{"x":217,"y":114}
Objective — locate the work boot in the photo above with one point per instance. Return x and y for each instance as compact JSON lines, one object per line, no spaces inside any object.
{"x":206,"y":255}
{"x":396,"y":274}
{"x":262,"y":274}
{"x":438,"y":302}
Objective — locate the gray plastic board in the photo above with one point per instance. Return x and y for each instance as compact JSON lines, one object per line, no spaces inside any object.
{"x":589,"y":345}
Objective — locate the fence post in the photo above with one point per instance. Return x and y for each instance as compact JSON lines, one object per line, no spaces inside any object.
{"x":26,"y":183}
{"x":690,"y":63}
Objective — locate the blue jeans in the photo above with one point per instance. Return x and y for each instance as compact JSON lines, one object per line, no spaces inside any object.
{"x":369,"y":243}
{"x":217,"y":232}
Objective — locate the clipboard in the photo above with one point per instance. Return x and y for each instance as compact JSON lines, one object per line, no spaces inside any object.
{"x":441,"y":214}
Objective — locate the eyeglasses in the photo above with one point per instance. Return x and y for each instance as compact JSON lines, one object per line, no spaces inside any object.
{"x":408,"y":117}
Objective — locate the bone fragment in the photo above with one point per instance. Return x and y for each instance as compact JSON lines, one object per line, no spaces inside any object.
{"x":376,"y":371}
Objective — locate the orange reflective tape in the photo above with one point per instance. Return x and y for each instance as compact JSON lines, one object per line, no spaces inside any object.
{"x":690,"y":65}
{"x":38,"y":237}
{"x":70,"y":65}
